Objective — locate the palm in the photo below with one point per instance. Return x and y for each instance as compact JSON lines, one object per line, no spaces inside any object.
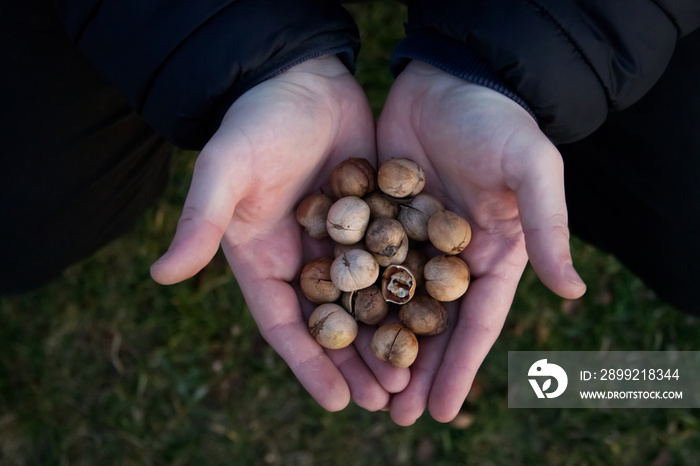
{"x":277,"y":143}
{"x":486,"y":159}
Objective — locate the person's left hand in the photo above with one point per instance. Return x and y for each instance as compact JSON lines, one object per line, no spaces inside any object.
{"x":277,"y":143}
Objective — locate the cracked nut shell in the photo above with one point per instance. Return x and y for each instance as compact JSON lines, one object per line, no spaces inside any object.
{"x":332,"y":327}
{"x":395,"y":344}
{"x":398,"y":284}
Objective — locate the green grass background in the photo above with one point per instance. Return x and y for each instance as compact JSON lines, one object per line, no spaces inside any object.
{"x":104,"y":367}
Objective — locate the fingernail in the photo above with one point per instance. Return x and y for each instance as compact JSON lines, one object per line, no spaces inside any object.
{"x":572,"y":276}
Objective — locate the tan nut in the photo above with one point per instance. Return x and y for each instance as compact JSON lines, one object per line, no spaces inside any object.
{"x":381,"y":205}
{"x":354,"y":270}
{"x":424,"y":315}
{"x":366,"y":305}
{"x":312,"y":213}
{"x":449,"y":232}
{"x":353,"y":177}
{"x":415,"y":214}
{"x":347,"y":220}
{"x":446,"y":277}
{"x":399,"y":177}
{"x":332,"y":327}
{"x":395,"y":344}
{"x":315,"y":281}
{"x":386,"y":239}
{"x":398,"y":284}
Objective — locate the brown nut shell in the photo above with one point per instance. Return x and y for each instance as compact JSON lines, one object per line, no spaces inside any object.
{"x":446,"y":277}
{"x":332,"y":327}
{"x":354,"y":270}
{"x":353,"y":177}
{"x":415,"y":213}
{"x":449,"y":232}
{"x":312,"y":213}
{"x":395,"y":344}
{"x":400,"y":178}
{"x":366,"y":305}
{"x":398,"y":284}
{"x":381,"y":205}
{"x":315,"y":281}
{"x":347,"y":220}
{"x":386,"y":239}
{"x":424,"y":315}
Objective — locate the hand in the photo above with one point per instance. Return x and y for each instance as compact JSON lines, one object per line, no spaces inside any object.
{"x":485,"y":157}
{"x":277,"y":143}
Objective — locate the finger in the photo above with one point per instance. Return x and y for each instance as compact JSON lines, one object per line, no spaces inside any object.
{"x":480,"y":322}
{"x":275,"y":307}
{"x":211,"y":200}
{"x":542,"y":207}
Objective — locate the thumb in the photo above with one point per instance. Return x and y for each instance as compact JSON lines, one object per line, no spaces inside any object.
{"x":207,"y":211}
{"x":544,"y":218}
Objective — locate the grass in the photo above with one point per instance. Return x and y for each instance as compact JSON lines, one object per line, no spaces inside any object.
{"x":105,"y":367}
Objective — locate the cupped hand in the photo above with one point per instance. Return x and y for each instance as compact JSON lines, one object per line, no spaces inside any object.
{"x":485,"y":158}
{"x":277,"y":143}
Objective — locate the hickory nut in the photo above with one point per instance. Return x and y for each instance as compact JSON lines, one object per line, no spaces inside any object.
{"x":353,"y":177}
{"x":332,"y":327}
{"x":387,"y":240}
{"x":415,"y":214}
{"x":446,"y":277}
{"x":395,"y":344}
{"x":315,"y":281}
{"x":366,"y":305}
{"x":449,"y":232}
{"x":381,"y":205}
{"x":354,"y":270}
{"x":312,"y":213}
{"x":398,"y":284}
{"x":347,"y":220}
{"x":424,"y":315}
{"x":400,"y":178}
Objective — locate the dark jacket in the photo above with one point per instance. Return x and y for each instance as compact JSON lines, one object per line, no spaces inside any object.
{"x":569,"y":62}
{"x":181,"y":63}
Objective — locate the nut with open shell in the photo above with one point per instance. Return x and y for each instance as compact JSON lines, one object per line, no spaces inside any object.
{"x":398,"y":284}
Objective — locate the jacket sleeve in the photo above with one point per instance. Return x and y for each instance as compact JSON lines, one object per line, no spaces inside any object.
{"x":568,"y":62}
{"x":182,"y":63}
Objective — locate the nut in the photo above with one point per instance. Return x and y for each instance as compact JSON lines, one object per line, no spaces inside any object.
{"x":366,"y":305}
{"x":386,"y":239}
{"x":315,"y":281}
{"x":424,"y":315}
{"x":398,"y":284}
{"x":332,"y":327}
{"x":354,"y":270}
{"x":312,"y":213}
{"x":395,"y":344}
{"x":449,"y":232}
{"x":446,"y":277}
{"x":347,"y":220}
{"x":381,"y":205}
{"x":353,"y":177}
{"x":415,"y":213}
{"x":400,"y":178}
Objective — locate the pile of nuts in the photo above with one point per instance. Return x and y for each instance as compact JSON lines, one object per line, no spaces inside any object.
{"x":380,"y":258}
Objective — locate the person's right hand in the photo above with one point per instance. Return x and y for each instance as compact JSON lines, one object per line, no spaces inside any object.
{"x":485,"y":158}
